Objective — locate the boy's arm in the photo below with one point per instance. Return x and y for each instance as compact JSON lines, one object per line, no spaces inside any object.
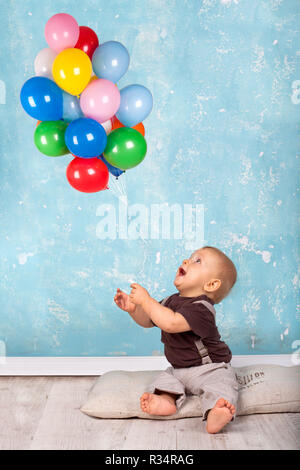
{"x":141,"y":317}
{"x":164,"y":317}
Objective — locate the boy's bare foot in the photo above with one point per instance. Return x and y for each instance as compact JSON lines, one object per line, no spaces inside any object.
{"x":220,"y":415}
{"x":154,"y":404}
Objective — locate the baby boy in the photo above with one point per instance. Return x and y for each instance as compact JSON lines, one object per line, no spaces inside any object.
{"x":200,"y":361}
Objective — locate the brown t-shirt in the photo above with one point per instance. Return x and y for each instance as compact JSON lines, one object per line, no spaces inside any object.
{"x":180,"y":348}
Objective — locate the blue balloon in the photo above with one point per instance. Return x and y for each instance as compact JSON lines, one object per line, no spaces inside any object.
{"x":71,"y":107}
{"x":42,"y":99}
{"x":85,"y":138}
{"x":136,"y":103}
{"x":110,"y":61}
{"x":112,"y":169}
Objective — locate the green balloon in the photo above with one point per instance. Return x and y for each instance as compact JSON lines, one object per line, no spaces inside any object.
{"x":125,"y":148}
{"x":49,"y":137}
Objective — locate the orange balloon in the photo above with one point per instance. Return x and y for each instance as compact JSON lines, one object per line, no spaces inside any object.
{"x":94,"y":77}
{"x":39,"y":122}
{"x":116,"y":124}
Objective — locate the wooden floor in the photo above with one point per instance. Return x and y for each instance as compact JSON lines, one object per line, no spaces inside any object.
{"x":44,"y":413}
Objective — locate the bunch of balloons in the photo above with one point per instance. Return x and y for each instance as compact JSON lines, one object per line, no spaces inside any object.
{"x":85,"y":114}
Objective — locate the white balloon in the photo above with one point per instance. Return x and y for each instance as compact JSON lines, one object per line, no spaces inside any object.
{"x":107,"y":126}
{"x":43,"y":63}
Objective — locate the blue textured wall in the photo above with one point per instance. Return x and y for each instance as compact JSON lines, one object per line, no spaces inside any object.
{"x":224,"y":132}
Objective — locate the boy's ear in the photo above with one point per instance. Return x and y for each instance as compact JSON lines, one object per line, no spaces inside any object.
{"x":212,"y":285}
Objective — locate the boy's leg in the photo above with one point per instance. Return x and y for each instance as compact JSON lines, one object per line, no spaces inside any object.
{"x":217,"y":386}
{"x":219,"y":399}
{"x":164,"y":395}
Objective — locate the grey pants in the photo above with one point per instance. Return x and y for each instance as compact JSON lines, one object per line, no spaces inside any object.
{"x":210,"y":382}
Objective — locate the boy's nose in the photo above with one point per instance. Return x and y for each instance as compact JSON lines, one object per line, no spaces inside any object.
{"x":185,"y":261}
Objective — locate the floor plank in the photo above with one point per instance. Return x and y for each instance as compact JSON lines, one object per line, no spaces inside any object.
{"x":22,"y":403}
{"x":64,"y":426}
{"x":44,"y":413}
{"x":145,"y":434}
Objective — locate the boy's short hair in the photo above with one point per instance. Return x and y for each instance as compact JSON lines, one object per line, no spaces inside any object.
{"x":227,"y":273}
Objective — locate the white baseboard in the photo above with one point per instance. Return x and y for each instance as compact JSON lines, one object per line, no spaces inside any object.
{"x":15,"y":366}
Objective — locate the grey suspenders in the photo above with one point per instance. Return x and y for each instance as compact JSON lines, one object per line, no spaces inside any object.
{"x":164,"y":300}
{"x":199,"y":344}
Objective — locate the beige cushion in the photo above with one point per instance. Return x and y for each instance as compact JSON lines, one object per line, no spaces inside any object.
{"x":262,"y":389}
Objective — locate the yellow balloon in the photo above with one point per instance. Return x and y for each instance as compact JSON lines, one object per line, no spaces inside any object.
{"x":72,"y":70}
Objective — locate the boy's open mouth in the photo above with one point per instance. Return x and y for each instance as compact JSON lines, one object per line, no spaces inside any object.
{"x":181,"y":272}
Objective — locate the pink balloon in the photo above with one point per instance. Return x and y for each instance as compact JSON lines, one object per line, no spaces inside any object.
{"x":61,"y":32}
{"x":100,"y":100}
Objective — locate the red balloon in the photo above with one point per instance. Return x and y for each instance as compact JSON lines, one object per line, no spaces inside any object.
{"x":88,"y":175}
{"x":87,"y":41}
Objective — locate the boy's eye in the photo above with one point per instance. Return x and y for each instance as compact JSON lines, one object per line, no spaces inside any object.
{"x":195,"y":260}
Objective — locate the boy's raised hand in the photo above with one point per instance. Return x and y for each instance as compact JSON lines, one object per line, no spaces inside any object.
{"x":122,"y":300}
{"x":138,"y":294}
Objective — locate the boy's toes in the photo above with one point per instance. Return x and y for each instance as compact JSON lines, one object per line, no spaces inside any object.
{"x":230,"y":407}
{"x":142,"y":404}
{"x":144,"y":401}
{"x":220,"y":403}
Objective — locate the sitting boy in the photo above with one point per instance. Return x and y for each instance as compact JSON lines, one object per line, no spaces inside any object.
{"x":200,"y":360}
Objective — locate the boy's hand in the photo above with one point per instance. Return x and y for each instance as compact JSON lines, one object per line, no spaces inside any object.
{"x":138,"y":294}
{"x":122,"y":300}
